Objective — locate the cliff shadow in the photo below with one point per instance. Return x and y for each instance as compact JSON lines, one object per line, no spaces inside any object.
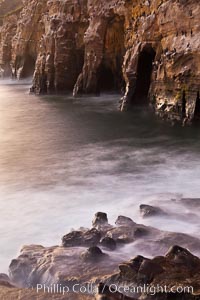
{"x":197,"y":109}
{"x":144,"y":76}
{"x":29,"y":67}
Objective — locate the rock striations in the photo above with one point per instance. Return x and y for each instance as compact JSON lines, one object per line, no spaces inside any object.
{"x":148,"y":50}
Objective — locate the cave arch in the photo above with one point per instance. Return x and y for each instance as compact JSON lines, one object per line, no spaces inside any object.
{"x":143,"y":77}
{"x":106,"y":79}
{"x":28,"y":67}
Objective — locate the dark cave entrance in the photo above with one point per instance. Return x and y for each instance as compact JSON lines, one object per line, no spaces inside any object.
{"x":144,"y":72}
{"x":106,"y":80}
{"x":29,"y":67}
{"x":197,"y":108}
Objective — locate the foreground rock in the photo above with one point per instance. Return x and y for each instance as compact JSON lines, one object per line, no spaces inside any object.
{"x":142,"y":49}
{"x":91,"y":255}
{"x":177,"y":273}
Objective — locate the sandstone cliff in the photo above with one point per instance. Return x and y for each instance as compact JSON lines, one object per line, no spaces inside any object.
{"x":148,"y":50}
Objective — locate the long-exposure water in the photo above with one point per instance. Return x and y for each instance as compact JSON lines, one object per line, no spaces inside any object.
{"x":63,"y":159}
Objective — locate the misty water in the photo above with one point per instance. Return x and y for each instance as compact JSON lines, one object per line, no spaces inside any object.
{"x":63,"y":159}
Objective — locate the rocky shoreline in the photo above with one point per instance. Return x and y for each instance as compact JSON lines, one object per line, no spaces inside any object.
{"x":90,"y":263}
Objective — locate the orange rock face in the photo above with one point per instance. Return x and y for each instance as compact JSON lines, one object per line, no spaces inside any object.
{"x":148,"y":50}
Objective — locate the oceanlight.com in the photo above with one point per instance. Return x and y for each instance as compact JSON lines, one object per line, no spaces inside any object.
{"x":91,"y":288}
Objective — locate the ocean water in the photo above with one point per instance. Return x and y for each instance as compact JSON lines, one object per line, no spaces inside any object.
{"x":63,"y":159}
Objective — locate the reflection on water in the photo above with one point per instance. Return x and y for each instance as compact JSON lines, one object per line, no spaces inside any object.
{"x":63,"y":159}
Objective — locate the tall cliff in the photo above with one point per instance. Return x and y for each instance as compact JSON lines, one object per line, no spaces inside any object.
{"x":149,"y":50}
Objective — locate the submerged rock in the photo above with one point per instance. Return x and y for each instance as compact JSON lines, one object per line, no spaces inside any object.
{"x":151,"y":211}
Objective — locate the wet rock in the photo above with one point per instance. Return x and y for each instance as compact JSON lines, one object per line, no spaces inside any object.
{"x":122,"y":234}
{"x":141,"y":231}
{"x":66,"y":266}
{"x":130,"y":269}
{"x":94,"y":254}
{"x":72,"y":263}
{"x":161,"y":271}
{"x":150,"y":211}
{"x":100,"y":220}
{"x":182,"y":256}
{"x":124,"y":221}
{"x":87,"y":238}
{"x":128,"y":234}
{"x":108,"y":243}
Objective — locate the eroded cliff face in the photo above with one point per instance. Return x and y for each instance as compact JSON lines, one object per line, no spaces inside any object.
{"x":148,"y":50}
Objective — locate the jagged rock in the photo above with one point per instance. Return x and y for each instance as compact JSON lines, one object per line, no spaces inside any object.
{"x":150,"y":211}
{"x":87,"y":238}
{"x":140,"y":270}
{"x":182,"y":256}
{"x":100,"y":220}
{"x":163,"y":271}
